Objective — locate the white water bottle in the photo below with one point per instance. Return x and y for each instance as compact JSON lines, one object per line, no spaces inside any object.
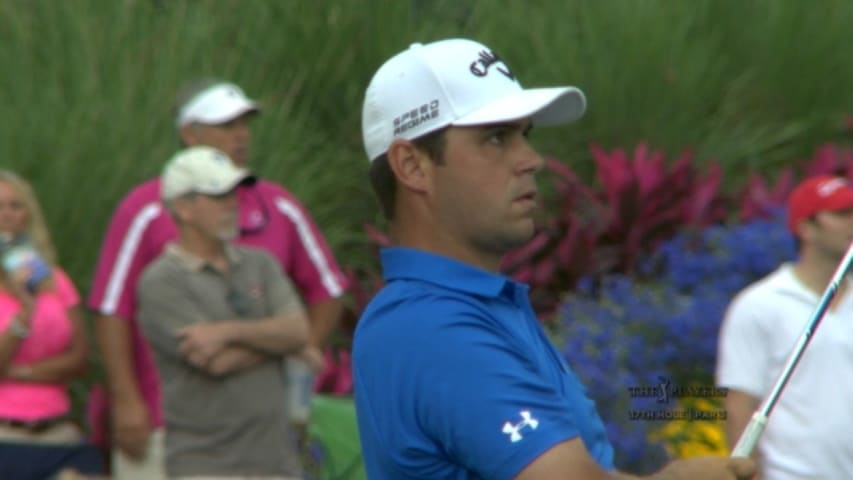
{"x":17,"y":252}
{"x":299,"y":384}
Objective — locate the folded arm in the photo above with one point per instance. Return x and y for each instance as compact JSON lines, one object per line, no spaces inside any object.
{"x":9,"y":343}
{"x":247,"y":341}
{"x":62,"y":367}
{"x":177,"y":326}
{"x":233,"y":359}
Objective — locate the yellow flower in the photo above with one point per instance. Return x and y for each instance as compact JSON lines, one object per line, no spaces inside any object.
{"x":701,"y":431}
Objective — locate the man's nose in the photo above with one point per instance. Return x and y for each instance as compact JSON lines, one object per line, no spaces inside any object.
{"x":531,"y":160}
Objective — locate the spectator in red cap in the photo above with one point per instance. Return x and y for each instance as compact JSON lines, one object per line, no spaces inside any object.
{"x":816,"y":194}
{"x":809,"y":434}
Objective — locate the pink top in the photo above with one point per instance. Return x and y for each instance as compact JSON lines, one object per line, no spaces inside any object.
{"x":50,"y":334}
{"x":270,"y":218}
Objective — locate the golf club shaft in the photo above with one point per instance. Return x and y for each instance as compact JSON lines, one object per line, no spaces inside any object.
{"x":749,"y":437}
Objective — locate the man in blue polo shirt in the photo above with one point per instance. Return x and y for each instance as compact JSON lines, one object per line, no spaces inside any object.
{"x":454,"y":377}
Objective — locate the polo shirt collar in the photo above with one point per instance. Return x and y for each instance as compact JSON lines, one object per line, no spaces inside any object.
{"x":401,"y":263}
{"x":786,"y":281}
{"x":195,"y":263}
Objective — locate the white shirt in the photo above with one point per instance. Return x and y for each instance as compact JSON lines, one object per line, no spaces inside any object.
{"x":809,"y":433}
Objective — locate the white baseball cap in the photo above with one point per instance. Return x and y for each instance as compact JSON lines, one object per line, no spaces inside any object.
{"x":454,"y":82}
{"x":217,"y":104}
{"x":202,"y":170}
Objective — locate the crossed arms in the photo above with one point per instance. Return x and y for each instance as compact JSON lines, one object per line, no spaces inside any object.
{"x":225,"y":347}
{"x":176,"y":325}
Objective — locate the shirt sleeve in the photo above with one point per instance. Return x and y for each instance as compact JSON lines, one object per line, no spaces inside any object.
{"x":122,"y":258}
{"x":742,"y":359}
{"x":485,"y":402}
{"x":313,"y":269}
{"x":280,"y":293}
{"x":9,"y":306}
{"x":65,"y":289}
{"x":164,"y":308}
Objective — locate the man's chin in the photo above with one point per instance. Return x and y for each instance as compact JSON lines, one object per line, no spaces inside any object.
{"x":526,"y":233}
{"x":512,"y":240}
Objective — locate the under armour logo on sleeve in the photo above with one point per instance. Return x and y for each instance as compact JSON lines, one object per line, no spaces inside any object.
{"x":514,"y":430}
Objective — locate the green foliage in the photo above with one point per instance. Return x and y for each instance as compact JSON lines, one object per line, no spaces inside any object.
{"x":87,"y":88}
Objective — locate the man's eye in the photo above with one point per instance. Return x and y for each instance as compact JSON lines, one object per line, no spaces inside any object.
{"x":497,"y":137}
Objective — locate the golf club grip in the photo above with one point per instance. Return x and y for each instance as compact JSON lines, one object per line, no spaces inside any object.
{"x":749,"y":438}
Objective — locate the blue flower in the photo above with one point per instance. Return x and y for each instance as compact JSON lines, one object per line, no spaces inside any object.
{"x":620,"y":331}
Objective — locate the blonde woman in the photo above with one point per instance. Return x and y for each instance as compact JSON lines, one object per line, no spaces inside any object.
{"x":42,"y":336}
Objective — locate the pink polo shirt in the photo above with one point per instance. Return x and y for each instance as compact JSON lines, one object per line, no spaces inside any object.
{"x":270,"y":218}
{"x":50,"y":334}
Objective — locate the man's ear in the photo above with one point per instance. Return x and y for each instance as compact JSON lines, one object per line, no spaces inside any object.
{"x":806,"y":230}
{"x":188,"y":134}
{"x":180,"y":209}
{"x":411,"y":166}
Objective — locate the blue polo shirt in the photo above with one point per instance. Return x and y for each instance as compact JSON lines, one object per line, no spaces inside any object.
{"x":455,"y":378}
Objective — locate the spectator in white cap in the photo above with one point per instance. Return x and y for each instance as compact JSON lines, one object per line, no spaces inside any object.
{"x":216,"y":114}
{"x":454,"y":376}
{"x":219,"y":318}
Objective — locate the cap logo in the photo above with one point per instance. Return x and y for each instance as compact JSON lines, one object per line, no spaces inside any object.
{"x":415,"y":117}
{"x":829,"y":187}
{"x":480,"y":67}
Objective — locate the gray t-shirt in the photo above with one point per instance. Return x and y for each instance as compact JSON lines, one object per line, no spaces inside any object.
{"x":228,"y":425}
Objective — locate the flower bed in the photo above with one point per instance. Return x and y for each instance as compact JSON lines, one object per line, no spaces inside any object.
{"x":625,"y":337}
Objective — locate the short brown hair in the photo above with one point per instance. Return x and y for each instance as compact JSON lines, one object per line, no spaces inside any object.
{"x":382,"y":178}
